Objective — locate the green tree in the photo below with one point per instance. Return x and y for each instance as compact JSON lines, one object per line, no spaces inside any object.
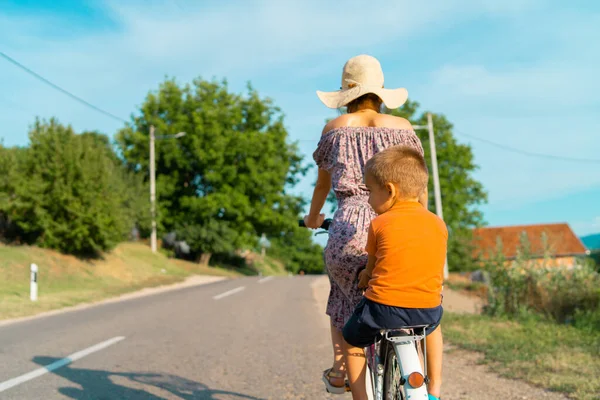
{"x":9,"y":181}
{"x":228,"y":176}
{"x":298,"y":251}
{"x":69,"y":192}
{"x":461,"y":193}
{"x":215,"y":236}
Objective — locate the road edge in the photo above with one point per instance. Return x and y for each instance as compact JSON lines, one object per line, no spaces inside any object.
{"x":190,"y":281}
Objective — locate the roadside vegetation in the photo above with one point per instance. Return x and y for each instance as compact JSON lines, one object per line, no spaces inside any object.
{"x":541,"y":323}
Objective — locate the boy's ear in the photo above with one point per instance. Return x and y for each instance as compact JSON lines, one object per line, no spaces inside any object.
{"x":391,"y":188}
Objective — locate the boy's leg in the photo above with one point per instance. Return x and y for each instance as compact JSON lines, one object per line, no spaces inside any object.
{"x":435,"y":349}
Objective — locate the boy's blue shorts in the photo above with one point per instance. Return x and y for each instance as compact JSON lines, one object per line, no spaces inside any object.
{"x":369,"y":318}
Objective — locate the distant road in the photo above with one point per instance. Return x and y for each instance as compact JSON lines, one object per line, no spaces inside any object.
{"x":247,"y":338}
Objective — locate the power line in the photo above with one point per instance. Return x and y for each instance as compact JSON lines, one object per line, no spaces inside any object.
{"x":176,"y":4}
{"x":529,"y":153}
{"x":71,"y":95}
{"x":108,"y":114}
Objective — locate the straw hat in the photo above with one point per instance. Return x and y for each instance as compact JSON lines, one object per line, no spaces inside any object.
{"x":362,"y":74}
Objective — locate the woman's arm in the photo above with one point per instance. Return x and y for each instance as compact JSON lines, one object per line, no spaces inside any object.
{"x":315,"y":219}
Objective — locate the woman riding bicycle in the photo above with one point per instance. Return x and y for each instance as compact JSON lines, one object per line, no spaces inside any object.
{"x":347,"y":143}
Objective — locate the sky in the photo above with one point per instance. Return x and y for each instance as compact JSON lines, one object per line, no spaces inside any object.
{"x":520,"y":73}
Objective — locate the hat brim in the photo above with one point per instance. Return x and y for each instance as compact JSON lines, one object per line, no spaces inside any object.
{"x":392,"y":98}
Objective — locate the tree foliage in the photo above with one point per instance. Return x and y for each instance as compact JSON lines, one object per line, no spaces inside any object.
{"x":226,"y":181}
{"x":298,"y":251}
{"x":461,"y":193}
{"x":68,"y":192}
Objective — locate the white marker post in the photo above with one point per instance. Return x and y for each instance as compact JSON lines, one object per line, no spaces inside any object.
{"x":33,"y":283}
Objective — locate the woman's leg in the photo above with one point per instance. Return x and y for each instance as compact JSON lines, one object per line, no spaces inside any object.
{"x":337,"y":340}
{"x":356,"y":367}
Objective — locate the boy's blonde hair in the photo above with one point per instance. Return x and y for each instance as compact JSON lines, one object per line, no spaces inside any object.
{"x":402,"y":166}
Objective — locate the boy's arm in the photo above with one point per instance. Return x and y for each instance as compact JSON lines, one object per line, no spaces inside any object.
{"x":370,"y":265}
{"x":365,"y":275}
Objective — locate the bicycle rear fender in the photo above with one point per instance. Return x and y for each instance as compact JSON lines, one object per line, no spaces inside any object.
{"x":409,"y":361}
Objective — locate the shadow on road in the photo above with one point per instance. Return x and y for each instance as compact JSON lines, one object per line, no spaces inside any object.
{"x":101,"y":385}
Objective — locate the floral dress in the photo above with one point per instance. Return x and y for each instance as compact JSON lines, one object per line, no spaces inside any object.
{"x":343,"y":152}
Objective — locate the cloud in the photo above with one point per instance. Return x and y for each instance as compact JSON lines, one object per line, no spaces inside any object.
{"x":548,"y":85}
{"x":279,"y":31}
{"x":115,"y":63}
{"x":537,"y":109}
{"x":243,"y":35}
{"x":533,"y":87}
{"x":530,"y":110}
{"x":289,"y":45}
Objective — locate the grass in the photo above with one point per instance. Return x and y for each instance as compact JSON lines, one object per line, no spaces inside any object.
{"x":66,"y":281}
{"x":558,"y":357}
{"x":470,"y":287}
{"x":270,"y":266}
{"x":462,"y":283}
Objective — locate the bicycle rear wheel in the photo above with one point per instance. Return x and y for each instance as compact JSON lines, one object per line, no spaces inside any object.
{"x":392,"y":389}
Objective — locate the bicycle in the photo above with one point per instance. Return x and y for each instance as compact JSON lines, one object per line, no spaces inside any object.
{"x":393,"y":360}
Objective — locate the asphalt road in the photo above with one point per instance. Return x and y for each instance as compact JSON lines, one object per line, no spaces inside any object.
{"x":216,"y":341}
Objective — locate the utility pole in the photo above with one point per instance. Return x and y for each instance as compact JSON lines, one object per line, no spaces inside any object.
{"x":434,"y":166}
{"x":436,"y":178}
{"x":153,"y":138}
{"x":152,"y":191}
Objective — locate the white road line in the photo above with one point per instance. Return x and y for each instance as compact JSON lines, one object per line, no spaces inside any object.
{"x":229,"y":292}
{"x":266,"y":279}
{"x":58,"y":364}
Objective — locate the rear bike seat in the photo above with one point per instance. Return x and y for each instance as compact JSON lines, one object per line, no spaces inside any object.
{"x":410,"y":332}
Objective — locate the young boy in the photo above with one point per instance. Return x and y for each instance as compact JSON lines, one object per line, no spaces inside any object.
{"x":407,"y":251}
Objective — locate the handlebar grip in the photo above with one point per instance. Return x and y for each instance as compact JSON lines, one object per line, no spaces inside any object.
{"x":326,"y":224}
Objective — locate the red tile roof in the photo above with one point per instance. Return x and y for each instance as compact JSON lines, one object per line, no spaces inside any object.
{"x":561,"y":240}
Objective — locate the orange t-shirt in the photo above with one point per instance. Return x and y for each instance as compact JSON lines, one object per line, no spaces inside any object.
{"x":409,"y":244}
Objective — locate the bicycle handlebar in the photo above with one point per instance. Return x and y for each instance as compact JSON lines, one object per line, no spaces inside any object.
{"x":324,"y":226}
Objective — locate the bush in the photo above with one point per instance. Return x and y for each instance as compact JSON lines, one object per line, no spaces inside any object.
{"x":298,"y":252}
{"x":595,"y":257}
{"x":561,"y":293}
{"x":588,"y":320}
{"x":213,"y":236}
{"x":69,"y":192}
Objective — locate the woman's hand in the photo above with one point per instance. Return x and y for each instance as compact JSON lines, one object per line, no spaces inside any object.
{"x":314,"y":222}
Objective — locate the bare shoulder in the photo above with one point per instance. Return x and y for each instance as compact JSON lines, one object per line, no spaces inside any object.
{"x":338,"y":122}
{"x":380,"y":120}
{"x":391,"y":121}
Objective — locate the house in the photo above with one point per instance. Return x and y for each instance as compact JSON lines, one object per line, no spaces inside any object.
{"x":557,"y":241}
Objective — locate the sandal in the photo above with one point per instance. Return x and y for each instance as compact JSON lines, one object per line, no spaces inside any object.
{"x":327,"y":374}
